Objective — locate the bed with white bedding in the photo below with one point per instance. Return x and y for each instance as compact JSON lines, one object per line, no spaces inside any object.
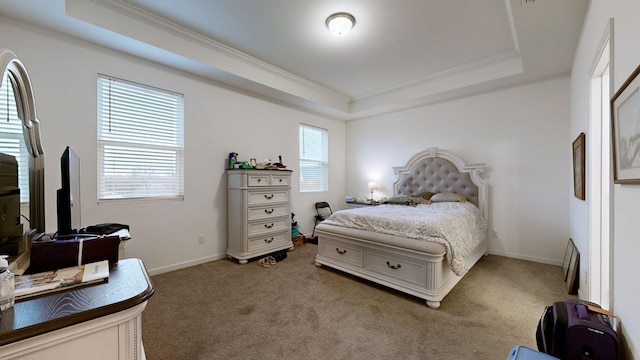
{"x":416,"y":246}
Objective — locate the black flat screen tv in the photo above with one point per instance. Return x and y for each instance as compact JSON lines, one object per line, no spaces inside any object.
{"x":68,"y":196}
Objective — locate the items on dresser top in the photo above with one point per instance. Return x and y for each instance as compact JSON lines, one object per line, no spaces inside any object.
{"x":232,"y":162}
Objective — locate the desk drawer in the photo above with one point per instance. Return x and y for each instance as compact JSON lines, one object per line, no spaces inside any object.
{"x":397,"y":266}
{"x":342,"y":251}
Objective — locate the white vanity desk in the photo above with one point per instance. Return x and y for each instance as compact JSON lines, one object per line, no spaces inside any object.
{"x":98,"y":322}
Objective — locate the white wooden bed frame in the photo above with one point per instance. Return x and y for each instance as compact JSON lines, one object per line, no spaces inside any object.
{"x":414,"y":267}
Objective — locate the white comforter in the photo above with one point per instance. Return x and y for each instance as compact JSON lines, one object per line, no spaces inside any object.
{"x":459,"y":227}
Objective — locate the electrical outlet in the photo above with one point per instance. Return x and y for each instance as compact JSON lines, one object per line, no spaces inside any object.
{"x":200,"y":239}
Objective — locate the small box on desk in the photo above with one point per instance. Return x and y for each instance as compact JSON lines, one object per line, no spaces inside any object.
{"x":72,"y":250}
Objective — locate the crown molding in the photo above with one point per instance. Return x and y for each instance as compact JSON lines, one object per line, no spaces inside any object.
{"x":248,"y":73}
{"x":128,"y":20}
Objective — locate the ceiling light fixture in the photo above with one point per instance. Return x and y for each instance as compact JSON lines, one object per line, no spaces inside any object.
{"x":340,"y":24}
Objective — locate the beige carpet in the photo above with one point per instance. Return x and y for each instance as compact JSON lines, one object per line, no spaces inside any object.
{"x":295,"y":310}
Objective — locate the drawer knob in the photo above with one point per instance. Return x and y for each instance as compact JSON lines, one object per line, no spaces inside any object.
{"x":394,"y":267}
{"x":268,"y":226}
{"x":259,"y":180}
{"x":268,"y":197}
{"x":341,"y":252}
{"x":268,"y":240}
{"x":268,"y":211}
{"x":280,"y":180}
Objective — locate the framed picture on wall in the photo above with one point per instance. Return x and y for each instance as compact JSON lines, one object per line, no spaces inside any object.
{"x":625,"y":131}
{"x":578,"y":167}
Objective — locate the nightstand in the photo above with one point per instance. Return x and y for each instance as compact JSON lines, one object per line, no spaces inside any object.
{"x":354,"y":205}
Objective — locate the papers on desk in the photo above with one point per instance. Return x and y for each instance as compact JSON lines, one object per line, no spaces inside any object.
{"x":63,"y":279}
{"x":122,"y":233}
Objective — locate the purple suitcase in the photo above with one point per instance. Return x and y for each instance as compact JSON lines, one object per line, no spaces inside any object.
{"x":569,"y":330}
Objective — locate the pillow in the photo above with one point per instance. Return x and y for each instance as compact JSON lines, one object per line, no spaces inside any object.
{"x":415,"y":201}
{"x":398,"y":200}
{"x":405,"y":200}
{"x":425,"y":195}
{"x":448,"y":197}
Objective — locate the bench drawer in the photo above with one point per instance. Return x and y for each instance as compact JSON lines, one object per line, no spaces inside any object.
{"x":396,"y":266}
{"x":342,"y":251}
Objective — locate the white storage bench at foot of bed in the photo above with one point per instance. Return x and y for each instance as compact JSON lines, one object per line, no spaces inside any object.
{"x":415,"y":267}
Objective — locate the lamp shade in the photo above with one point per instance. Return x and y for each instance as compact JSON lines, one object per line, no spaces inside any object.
{"x":340,"y":24}
{"x":372,"y":185}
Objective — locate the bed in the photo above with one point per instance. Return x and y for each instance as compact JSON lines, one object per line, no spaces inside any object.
{"x":424,"y":263}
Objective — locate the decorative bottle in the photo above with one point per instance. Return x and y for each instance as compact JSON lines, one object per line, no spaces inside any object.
{"x":7,"y":284}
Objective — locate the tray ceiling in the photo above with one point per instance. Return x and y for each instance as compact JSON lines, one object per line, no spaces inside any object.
{"x":400,"y":54}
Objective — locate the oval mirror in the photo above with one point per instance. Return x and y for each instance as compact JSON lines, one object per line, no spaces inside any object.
{"x":21,"y":147}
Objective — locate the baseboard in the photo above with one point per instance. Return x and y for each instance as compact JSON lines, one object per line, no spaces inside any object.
{"x":185,"y":264}
{"x":203,"y":260}
{"x":526,"y":257}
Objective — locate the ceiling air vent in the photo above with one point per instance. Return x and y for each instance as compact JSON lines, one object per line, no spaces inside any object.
{"x":527,"y":2}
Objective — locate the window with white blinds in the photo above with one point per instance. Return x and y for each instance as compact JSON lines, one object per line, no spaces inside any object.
{"x":313,"y":159}
{"x":140,"y":141}
{"x":11,"y":138}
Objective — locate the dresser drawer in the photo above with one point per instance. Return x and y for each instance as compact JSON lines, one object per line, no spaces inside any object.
{"x":268,"y":180}
{"x":397,"y":266}
{"x":269,"y":226}
{"x":280,"y":180}
{"x":268,"y":241}
{"x":267,"y":197}
{"x":266,"y":212}
{"x":258,"y":180}
{"x":342,"y":251}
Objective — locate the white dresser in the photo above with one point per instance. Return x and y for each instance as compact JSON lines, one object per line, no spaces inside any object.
{"x":259,"y":212}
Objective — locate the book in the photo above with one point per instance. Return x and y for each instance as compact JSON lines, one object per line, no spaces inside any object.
{"x":62,"y":279}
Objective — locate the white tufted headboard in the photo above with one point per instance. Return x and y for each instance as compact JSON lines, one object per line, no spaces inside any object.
{"x":436,"y":171}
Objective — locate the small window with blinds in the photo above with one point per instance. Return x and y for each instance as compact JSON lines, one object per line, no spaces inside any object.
{"x":313,"y":159}
{"x":11,"y":138}
{"x":140,"y":142}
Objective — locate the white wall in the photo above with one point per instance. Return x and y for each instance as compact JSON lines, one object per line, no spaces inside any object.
{"x":218,"y":120}
{"x":625,"y":241}
{"x":523,"y":134}
{"x":519,"y":133}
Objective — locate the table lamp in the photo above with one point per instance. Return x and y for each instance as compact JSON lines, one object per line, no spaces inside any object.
{"x":372,"y":186}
